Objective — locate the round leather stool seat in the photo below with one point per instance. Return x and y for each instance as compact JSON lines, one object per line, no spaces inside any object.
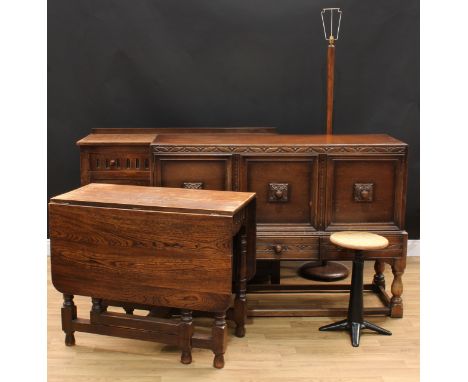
{"x":363,"y":241}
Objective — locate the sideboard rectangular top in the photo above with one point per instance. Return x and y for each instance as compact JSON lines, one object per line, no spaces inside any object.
{"x":144,"y":136}
{"x":117,"y":139}
{"x":276,"y":139}
{"x":157,"y":198}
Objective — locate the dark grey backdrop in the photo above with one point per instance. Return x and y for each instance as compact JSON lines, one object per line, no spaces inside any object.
{"x":148,"y":63}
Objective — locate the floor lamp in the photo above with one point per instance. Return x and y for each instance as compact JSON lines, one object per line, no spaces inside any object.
{"x":328,"y":270}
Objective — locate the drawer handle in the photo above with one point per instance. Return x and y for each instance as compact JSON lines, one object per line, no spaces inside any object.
{"x":278,"y":248}
{"x":278,"y":194}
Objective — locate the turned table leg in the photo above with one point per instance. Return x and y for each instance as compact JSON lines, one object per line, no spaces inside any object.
{"x":97,"y":306}
{"x":185,"y":336}
{"x":240,"y":302}
{"x":68,"y":315}
{"x":379,"y":278}
{"x":219,"y":334}
{"x":240,"y":313}
{"x":396,"y":302}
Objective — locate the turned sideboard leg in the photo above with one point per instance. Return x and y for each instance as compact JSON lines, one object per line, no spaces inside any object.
{"x":219,"y":334}
{"x":240,"y":302}
{"x":396,"y":302}
{"x":185,"y":336}
{"x":68,"y":315}
{"x":379,"y":278}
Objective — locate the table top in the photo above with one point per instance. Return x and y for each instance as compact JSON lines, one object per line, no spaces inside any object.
{"x":157,"y":198}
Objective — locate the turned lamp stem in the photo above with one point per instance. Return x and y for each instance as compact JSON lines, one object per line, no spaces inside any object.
{"x":330,"y":83}
{"x":331,"y":35}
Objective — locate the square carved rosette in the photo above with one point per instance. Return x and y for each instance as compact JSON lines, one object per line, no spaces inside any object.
{"x":363,"y":192}
{"x":278,"y":192}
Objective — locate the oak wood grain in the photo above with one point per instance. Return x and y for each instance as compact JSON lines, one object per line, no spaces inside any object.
{"x":146,"y":257}
{"x":157,"y":198}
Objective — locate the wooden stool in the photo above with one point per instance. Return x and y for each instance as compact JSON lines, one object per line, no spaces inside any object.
{"x":357,"y":241}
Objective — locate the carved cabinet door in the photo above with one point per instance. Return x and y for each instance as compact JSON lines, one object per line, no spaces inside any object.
{"x":286,"y":188}
{"x":211,"y":172}
{"x":365,"y":192}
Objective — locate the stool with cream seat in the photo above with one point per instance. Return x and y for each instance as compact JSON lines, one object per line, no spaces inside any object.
{"x":359,"y":242}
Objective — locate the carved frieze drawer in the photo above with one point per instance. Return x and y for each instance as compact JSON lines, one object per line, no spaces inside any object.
{"x":287,"y":248}
{"x":396,"y":248}
{"x":115,"y":164}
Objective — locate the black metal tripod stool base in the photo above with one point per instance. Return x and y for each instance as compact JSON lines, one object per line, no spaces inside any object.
{"x":355,"y":329}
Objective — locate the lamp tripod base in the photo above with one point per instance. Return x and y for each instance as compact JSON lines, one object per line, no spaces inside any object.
{"x":327,"y":271}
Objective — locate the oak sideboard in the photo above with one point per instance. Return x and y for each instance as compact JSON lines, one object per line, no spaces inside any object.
{"x":307,"y":187}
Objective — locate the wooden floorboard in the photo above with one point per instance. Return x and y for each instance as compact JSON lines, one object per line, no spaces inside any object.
{"x":274,"y":349}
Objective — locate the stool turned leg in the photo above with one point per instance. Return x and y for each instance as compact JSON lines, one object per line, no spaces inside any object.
{"x":240,"y":302}
{"x":354,"y":323}
{"x":356,"y":305}
{"x":219,"y":334}
{"x":68,"y":315}
{"x":379,"y":278}
{"x":185,"y":336}
{"x":396,"y":302}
